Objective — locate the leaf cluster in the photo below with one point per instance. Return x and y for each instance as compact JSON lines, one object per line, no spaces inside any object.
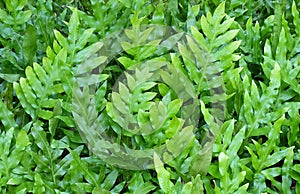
{"x":214,"y":108}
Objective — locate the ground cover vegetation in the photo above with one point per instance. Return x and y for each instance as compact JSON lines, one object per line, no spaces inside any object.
{"x":218,"y":101}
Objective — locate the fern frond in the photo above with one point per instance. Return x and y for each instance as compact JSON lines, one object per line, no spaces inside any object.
{"x":208,"y":53}
{"x":50,"y":83}
{"x":257,"y":106}
{"x":13,"y":156}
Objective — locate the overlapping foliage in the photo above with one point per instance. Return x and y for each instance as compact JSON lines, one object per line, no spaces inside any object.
{"x":240,"y":64}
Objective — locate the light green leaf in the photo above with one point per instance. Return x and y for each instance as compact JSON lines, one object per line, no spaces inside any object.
{"x":223,"y":163}
{"x":22,"y":139}
{"x":6,"y":116}
{"x":73,"y":26}
{"x":236,"y":143}
{"x":225,"y":38}
{"x":61,"y":39}
{"x":206,"y":27}
{"x":87,"y":52}
{"x":219,"y":13}
{"x":84,"y":38}
{"x":163,"y":175}
{"x":110,"y":180}
{"x":23,"y":17}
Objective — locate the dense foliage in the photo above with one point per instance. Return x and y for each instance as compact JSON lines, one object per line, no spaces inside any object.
{"x":137,"y":96}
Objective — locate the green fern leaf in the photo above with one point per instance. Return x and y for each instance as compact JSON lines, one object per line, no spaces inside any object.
{"x":163,"y":175}
{"x":6,"y":116}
